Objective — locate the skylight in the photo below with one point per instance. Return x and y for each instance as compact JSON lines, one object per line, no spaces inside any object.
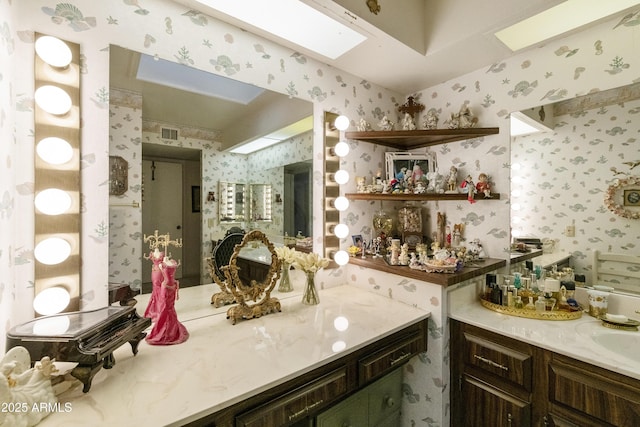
{"x":559,"y":19}
{"x":273,"y":138}
{"x":294,"y":21}
{"x":521,"y":124}
{"x":177,"y":76}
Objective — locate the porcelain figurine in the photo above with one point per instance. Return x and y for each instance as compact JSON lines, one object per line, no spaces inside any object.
{"x":453,"y":122}
{"x":466,"y":118}
{"x":363,"y":125}
{"x":386,"y":124}
{"x":484,"y":186}
{"x":452,"y":180}
{"x":469,"y":187}
{"x":152,"y":309}
{"x":407,"y":122}
{"x":430,"y":120}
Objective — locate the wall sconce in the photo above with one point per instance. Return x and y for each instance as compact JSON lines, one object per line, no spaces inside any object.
{"x":57,"y":176}
{"x":335,"y":149}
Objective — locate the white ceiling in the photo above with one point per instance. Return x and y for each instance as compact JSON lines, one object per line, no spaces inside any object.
{"x":441,"y":39}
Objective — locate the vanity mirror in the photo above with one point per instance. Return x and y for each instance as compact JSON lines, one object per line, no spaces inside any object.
{"x":169,"y":119}
{"x":250,"y":276}
{"x":261,"y":198}
{"x":561,"y":179}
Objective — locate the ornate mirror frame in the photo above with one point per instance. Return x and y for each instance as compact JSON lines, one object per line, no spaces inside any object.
{"x":257,"y":292}
{"x":624,"y":192}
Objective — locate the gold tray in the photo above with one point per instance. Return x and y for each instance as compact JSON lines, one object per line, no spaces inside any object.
{"x":532,"y":314}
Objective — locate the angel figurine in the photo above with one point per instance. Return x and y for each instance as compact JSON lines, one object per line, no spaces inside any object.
{"x":385,"y":123}
{"x":407,"y":122}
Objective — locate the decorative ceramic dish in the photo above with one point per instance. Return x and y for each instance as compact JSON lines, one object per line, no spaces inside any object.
{"x":628,"y":325}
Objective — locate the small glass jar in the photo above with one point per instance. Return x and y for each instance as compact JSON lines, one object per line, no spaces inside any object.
{"x":382,"y":223}
{"x":410,"y":219}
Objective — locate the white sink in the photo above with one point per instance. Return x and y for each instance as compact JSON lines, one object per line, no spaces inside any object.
{"x":623,"y":343}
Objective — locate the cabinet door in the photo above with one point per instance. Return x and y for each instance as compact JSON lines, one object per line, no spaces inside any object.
{"x":489,"y":406}
{"x":385,"y":396}
{"x":351,"y":412}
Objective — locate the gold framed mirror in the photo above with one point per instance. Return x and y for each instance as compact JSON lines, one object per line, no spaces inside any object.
{"x":252,"y":273}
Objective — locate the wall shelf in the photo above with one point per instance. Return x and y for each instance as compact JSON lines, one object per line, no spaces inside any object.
{"x":416,"y":197}
{"x":410,"y":139}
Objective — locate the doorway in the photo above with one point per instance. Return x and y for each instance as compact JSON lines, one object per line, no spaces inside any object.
{"x":297,"y":199}
{"x":171,"y":204}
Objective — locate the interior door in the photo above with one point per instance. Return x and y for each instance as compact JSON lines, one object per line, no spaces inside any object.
{"x":162,"y":207}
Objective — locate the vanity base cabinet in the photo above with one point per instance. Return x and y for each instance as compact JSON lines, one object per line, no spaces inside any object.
{"x":500,"y":381}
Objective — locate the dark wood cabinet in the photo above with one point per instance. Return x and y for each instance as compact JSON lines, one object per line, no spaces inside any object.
{"x":500,"y":381}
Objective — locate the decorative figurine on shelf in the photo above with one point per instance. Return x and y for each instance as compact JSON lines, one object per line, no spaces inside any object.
{"x":407,"y":122}
{"x":452,"y":181}
{"x":430,"y":120}
{"x":386,"y":124}
{"x":484,"y":186}
{"x":457,"y":235}
{"x":166,"y":329}
{"x":469,"y":187}
{"x":466,"y":118}
{"x":363,"y":125}
{"x":453,"y":122}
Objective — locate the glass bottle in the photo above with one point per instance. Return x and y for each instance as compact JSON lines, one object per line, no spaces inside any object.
{"x":540,"y":304}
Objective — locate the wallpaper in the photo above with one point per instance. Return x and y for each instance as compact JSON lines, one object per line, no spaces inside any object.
{"x":603,"y":57}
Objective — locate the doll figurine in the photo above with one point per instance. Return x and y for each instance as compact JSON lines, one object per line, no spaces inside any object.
{"x":483,"y":186}
{"x":470,"y":188}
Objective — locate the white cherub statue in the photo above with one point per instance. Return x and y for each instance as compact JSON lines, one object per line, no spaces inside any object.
{"x":363,"y":125}
{"x":431,"y":120}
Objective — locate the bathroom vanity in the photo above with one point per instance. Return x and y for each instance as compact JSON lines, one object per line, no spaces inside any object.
{"x":510,"y":371}
{"x":287,"y":367}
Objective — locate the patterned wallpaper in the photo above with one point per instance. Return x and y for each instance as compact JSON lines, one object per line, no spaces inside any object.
{"x":603,"y":57}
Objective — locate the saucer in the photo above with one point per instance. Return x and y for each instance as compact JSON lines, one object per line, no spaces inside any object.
{"x":629,"y":325}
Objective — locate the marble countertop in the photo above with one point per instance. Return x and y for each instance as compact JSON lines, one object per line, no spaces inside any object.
{"x":572,"y":338}
{"x":222,"y":364}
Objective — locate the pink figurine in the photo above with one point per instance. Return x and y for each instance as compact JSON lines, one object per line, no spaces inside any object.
{"x":167,"y":329}
{"x":468,"y":185}
{"x":156,"y":258}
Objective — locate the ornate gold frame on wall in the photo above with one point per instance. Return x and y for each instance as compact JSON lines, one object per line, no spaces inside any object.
{"x":613,"y":193}
{"x":258,"y":292}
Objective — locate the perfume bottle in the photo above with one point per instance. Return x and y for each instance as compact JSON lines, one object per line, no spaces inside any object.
{"x":540,"y":304}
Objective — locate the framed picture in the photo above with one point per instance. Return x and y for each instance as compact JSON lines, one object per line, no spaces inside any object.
{"x":401,"y":163}
{"x":195,"y":198}
{"x":632,"y":197}
{"x":357,"y":240}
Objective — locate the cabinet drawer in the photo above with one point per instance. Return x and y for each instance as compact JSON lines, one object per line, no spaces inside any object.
{"x":579,"y":389}
{"x":385,"y":396}
{"x":498,"y":360}
{"x":350,"y":412}
{"x":390,"y":357}
{"x":297,"y":404}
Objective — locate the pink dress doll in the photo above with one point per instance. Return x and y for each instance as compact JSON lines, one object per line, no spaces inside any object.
{"x":156,"y":280}
{"x":167,"y":329}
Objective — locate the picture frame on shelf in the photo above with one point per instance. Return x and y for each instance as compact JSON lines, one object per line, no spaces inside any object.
{"x":357,"y":240}
{"x":400,"y":162}
{"x":632,"y":197}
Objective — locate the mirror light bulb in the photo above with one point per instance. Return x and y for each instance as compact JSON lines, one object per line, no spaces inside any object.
{"x":341,"y":149}
{"x":341,"y":176}
{"x":51,"y":300}
{"x":53,"y":100}
{"x":341,"y":257}
{"x":52,"y":251}
{"x":53,"y":201}
{"x":341,"y":203}
{"x":54,"y":150}
{"x":53,"y":51}
{"x":341,"y":231}
{"x":342,"y":122}
{"x":515,"y":206}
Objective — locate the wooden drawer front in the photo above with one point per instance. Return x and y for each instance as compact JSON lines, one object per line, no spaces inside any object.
{"x":498,"y":360}
{"x":492,"y":407}
{"x":385,"y":397}
{"x":589,"y":392}
{"x":350,"y":412}
{"x":299,"y":403}
{"x":388,"y":358}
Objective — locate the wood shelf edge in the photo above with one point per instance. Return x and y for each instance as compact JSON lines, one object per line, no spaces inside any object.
{"x":416,"y":197}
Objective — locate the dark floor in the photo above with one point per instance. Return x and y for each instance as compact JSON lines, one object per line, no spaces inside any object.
{"x":185,"y":282}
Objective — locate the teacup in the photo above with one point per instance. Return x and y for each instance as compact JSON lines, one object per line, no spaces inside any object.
{"x":597,"y":303}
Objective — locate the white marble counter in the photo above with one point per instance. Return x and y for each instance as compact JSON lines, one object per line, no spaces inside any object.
{"x":222,"y":364}
{"x":571,"y":338}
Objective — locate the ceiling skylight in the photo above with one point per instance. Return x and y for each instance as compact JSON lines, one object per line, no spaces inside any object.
{"x":294,"y":21}
{"x":273,"y":138}
{"x":559,"y":19}
{"x":521,"y":124}
{"x":177,"y":76}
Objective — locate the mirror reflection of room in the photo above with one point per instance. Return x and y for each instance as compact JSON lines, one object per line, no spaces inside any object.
{"x":187,"y":145}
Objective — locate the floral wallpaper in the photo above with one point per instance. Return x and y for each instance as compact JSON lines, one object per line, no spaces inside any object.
{"x":605,"y":56}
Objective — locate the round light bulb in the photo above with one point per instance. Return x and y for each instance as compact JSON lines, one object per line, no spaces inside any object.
{"x":341,"y":149}
{"x":516,"y":232}
{"x":516,"y":166}
{"x":52,"y":251}
{"x":54,"y":150}
{"x":53,"y":100}
{"x":515,"y":206}
{"x":53,"y":51}
{"x":341,"y":257}
{"x":51,"y":300}
{"x":53,"y":201}
{"x":515,"y":193}
{"x":341,"y":203}
{"x":341,"y":176}
{"x":341,"y":231}
{"x":341,"y":123}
